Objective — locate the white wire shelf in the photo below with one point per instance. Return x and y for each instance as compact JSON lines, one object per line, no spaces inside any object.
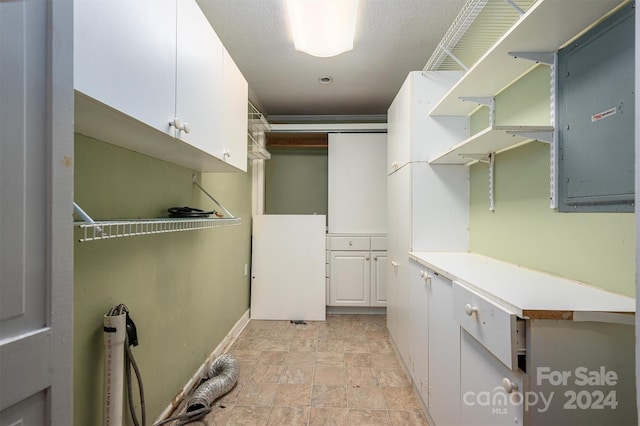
{"x":104,"y":230}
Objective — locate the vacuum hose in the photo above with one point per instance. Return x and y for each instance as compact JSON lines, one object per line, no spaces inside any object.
{"x":222,"y":376}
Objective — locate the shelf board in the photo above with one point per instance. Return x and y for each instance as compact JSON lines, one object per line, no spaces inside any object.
{"x":491,"y":140}
{"x":107,"y":229}
{"x":545,"y":27}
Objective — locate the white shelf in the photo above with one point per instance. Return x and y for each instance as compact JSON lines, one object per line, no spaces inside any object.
{"x":255,"y":151}
{"x":545,"y":27}
{"x":104,"y":230}
{"x":491,"y":140}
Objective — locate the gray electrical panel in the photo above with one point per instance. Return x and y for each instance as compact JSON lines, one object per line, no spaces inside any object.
{"x":596,"y":113}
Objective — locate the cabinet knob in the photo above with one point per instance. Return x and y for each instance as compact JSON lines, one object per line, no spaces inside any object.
{"x":350,"y":242}
{"x":394,"y":263}
{"x":470,"y":310}
{"x":508,"y":385}
{"x":180,"y":126}
{"x":226,"y":154}
{"x":395,"y":165}
{"x":366,"y":258}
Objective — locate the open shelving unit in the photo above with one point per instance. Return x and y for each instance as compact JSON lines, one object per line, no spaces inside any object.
{"x":93,"y":230}
{"x":258,"y":125}
{"x":546,"y":26}
{"x":492,"y":140}
{"x":107,"y":229}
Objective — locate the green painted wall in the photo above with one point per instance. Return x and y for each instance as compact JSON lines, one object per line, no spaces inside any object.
{"x":296,"y":181}
{"x":595,"y":248}
{"x":185,"y":290}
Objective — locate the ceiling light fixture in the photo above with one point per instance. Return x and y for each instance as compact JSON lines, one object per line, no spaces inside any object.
{"x":323,"y":28}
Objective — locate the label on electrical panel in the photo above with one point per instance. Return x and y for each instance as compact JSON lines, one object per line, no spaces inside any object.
{"x":604,"y":114}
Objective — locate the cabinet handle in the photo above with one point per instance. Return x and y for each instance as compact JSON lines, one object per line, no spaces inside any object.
{"x":508,"y":385}
{"x":394,"y":263}
{"x":366,"y":258}
{"x":375,"y":258}
{"x":470,"y":310}
{"x":177,"y":123}
{"x":226,"y":154}
{"x":350,"y":242}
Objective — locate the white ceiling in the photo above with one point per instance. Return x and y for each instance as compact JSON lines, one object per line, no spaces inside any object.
{"x":393,"y":37}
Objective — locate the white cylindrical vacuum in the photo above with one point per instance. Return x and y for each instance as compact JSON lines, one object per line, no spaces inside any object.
{"x":115,"y":331}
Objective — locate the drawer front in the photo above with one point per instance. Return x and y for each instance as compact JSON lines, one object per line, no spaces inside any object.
{"x":350,"y":243}
{"x":495,"y":327}
{"x":379,"y":243}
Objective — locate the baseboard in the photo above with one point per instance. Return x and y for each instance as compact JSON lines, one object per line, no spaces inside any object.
{"x":224,"y":345}
{"x":358,"y":310}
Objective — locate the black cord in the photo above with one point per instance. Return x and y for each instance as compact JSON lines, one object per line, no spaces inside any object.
{"x":130,"y":361}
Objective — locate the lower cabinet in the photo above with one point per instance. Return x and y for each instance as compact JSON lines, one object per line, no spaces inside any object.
{"x":434,"y":344}
{"x":474,"y":361}
{"x":357,"y":271}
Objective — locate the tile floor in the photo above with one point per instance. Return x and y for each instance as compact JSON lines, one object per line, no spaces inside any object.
{"x":342,"y":371}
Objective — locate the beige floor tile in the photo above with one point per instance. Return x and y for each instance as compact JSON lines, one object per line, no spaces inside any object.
{"x":371,"y":398}
{"x":330,"y":345}
{"x":296,"y":374}
{"x":303,"y":345}
{"x":271,"y":357}
{"x":362,"y":377}
{"x":243,"y":415}
{"x":289,"y":416}
{"x":356,"y":346}
{"x":407,"y":418}
{"x":328,"y":416}
{"x":327,"y":375}
{"x":267,"y":374}
{"x":385,"y":360}
{"x":368,"y":417}
{"x":393,"y":378}
{"x":357,"y":359}
{"x":342,"y":372}
{"x":329,"y":396}
{"x":330,"y":359}
{"x":289,"y":395}
{"x":400,"y":399}
{"x":261,"y":394}
{"x":300,"y":359}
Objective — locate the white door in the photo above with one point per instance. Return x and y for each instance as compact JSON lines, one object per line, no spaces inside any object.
{"x":288,"y":267}
{"x":36,"y":187}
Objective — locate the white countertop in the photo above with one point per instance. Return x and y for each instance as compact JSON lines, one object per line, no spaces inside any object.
{"x":529,"y":293}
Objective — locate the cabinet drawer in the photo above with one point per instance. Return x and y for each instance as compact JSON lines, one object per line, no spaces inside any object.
{"x":379,"y":243}
{"x":350,"y":243}
{"x":495,"y":327}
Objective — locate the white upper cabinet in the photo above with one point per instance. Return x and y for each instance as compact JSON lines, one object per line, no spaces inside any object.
{"x":150,"y":76}
{"x":124,"y":56}
{"x":235,"y":110}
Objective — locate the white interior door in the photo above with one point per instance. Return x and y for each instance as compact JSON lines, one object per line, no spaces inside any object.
{"x":288,"y":267}
{"x":36,"y":187}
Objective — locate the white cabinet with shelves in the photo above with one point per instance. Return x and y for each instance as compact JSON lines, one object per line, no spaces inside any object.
{"x":153,"y":77}
{"x":427,"y":206}
{"x":356,"y":271}
{"x":515,"y":326}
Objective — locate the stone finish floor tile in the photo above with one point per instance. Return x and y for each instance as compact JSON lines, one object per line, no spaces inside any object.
{"x":340,"y":372}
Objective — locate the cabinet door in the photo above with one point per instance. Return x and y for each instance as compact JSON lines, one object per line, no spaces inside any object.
{"x":419,"y":319}
{"x":233,"y":127}
{"x":199,"y":79}
{"x":444,"y":353}
{"x":379,"y":278}
{"x":350,"y":277}
{"x":124,"y":56}
{"x":398,"y":241}
{"x":484,"y":401}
